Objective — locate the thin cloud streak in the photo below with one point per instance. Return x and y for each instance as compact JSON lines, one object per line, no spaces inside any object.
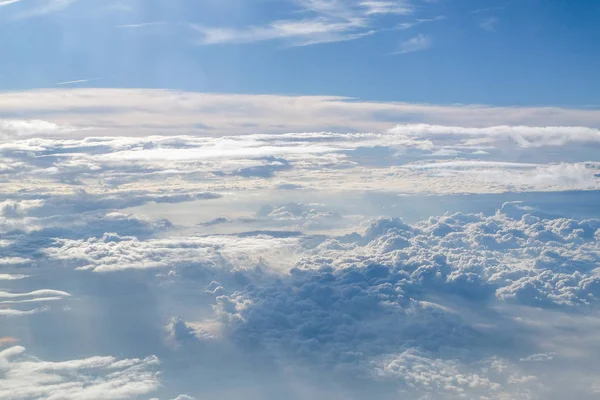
{"x":417,"y":43}
{"x":141,"y":25}
{"x":49,"y":7}
{"x":309,"y":31}
{"x":387,"y":7}
{"x":77,"y":81}
{"x":408,"y":25}
{"x":7,"y":2}
{"x":329,"y":21}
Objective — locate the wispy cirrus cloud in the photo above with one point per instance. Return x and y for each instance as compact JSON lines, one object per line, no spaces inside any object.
{"x":387,"y":7}
{"x":418,"y":43}
{"x":7,"y":2}
{"x":140,"y":25}
{"x":11,"y":277}
{"x":489,"y":24}
{"x":47,"y":7}
{"x":76,"y":81}
{"x":408,"y":25}
{"x":302,"y":32}
{"x":484,"y":10}
{"x":328,"y":21}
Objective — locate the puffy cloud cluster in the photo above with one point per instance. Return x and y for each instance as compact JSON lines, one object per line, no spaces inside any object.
{"x":296,"y":211}
{"x":421,"y":305}
{"x":425,"y":378}
{"x":302,"y":216}
{"x":437,"y":308}
{"x":24,"y":377}
{"x":113,"y":252}
{"x":416,"y":305}
{"x":531,"y":259}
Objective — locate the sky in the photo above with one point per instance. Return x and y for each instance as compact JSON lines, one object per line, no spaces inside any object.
{"x":299,"y":199}
{"x":513,"y":52}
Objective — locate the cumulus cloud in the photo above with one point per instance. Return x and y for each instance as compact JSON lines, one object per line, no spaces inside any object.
{"x":418,"y":304}
{"x":18,"y":209}
{"x":112,"y":252}
{"x":428,"y":378}
{"x":302,"y":216}
{"x":26,"y":377}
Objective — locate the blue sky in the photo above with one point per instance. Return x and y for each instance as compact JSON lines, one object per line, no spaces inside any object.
{"x":526,"y":52}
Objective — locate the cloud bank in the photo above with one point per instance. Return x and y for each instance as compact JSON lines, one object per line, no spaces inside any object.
{"x":134,"y":112}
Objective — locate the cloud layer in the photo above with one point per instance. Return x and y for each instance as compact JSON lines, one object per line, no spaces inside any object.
{"x":280,"y":258}
{"x":133,"y":112}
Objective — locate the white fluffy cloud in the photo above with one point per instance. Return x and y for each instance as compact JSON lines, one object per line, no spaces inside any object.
{"x":433,"y":378}
{"x":113,"y":252}
{"x":419,"y":304}
{"x":26,"y":377}
{"x":12,"y":128}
